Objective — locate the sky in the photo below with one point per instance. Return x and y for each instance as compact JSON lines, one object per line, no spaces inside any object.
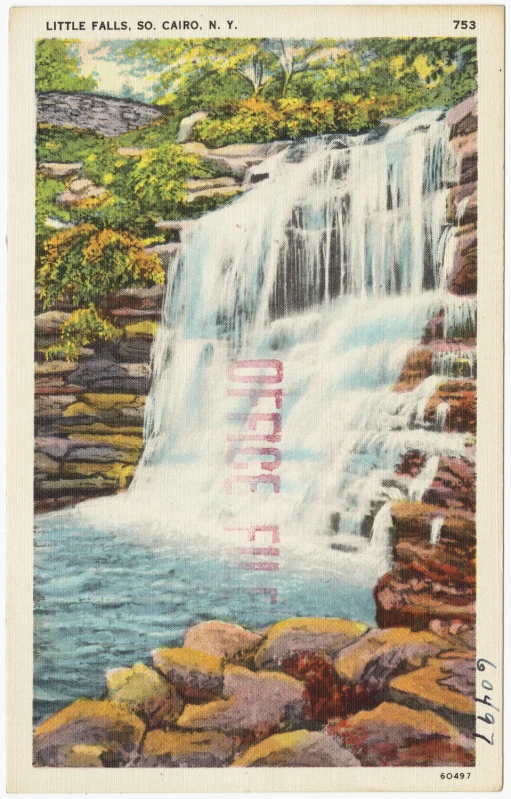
{"x":110,"y":75}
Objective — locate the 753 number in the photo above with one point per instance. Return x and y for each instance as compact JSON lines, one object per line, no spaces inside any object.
{"x":464,"y":24}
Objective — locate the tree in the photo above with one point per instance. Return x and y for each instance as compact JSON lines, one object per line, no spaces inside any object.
{"x":57,"y":70}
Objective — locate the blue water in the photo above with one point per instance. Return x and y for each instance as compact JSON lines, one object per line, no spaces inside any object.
{"x":102,"y":601}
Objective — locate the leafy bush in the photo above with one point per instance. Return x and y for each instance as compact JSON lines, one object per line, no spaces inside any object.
{"x":83,"y":327}
{"x":47,"y":189}
{"x":260,"y":121}
{"x":88,"y":262}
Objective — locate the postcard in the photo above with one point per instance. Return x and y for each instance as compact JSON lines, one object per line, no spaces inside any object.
{"x":255,"y":508}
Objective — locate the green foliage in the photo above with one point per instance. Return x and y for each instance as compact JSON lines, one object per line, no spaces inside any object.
{"x":88,"y":262}
{"x":262,"y":121}
{"x":68,"y":145}
{"x":57,"y":70}
{"x":47,"y":189}
{"x":83,"y":327}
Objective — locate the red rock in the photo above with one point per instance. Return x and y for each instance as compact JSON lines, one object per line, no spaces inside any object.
{"x":461,"y":398}
{"x":454,"y":485}
{"x":418,"y":366}
{"x":411,"y":463}
{"x":463,"y":279}
{"x":467,"y":192}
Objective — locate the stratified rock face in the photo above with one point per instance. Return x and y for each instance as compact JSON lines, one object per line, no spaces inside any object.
{"x":298,"y":749}
{"x":110,"y":734}
{"x":309,"y":635}
{"x":109,"y":116}
{"x":178,"y":749}
{"x":430,"y":580}
{"x":460,"y":395}
{"x":395,"y":735}
{"x":221,"y":639}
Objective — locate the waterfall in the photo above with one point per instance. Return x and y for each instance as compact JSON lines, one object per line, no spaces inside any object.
{"x":331,"y":266}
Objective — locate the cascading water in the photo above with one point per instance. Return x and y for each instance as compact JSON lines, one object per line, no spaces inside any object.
{"x":333,"y":266}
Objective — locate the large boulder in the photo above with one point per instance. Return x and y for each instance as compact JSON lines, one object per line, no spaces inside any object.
{"x":197,"y":675}
{"x":312,"y":635}
{"x":445,"y":686}
{"x":110,"y":733}
{"x":187,"y":125}
{"x":394,"y":735}
{"x":297,"y":749}
{"x":382,"y":654}
{"x":145,"y":692}
{"x":221,"y":639}
{"x":178,"y":749}
{"x":256,"y":701}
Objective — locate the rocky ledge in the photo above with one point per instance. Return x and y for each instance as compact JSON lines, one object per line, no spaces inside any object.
{"x":305,"y":692}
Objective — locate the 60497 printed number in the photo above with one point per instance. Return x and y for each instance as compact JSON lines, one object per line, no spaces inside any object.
{"x":455,"y":775}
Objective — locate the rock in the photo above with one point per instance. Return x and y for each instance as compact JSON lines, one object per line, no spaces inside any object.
{"x":52,"y":446}
{"x":131,"y":151}
{"x":54,"y":368}
{"x":418,"y":366}
{"x":96,"y":455}
{"x":381,"y":654}
{"x":454,"y":485}
{"x":295,"y":749}
{"x":225,"y":191}
{"x":197,"y":675}
{"x":460,"y":395}
{"x":59,"y":171}
{"x":44,"y":466}
{"x":50,"y":322}
{"x":325,"y":694}
{"x":187,"y":124}
{"x":142,"y":329}
{"x":463,"y":277}
{"x":411,"y":463}
{"x":115,"y":731}
{"x":138,"y":370}
{"x":70,"y":198}
{"x":118,"y":475}
{"x":199,"y":184}
{"x":195,"y":148}
{"x":145,"y":692}
{"x":394,"y":735}
{"x":462,"y":118}
{"x":178,"y":749}
{"x":446,"y":687}
{"x":256,"y":701}
{"x":109,"y":116}
{"x":96,"y":371}
{"x":434,"y":329}
{"x":312,"y":635}
{"x":221,"y":639}
{"x":52,"y":405}
{"x":462,"y":204}
{"x":80,"y":186}
{"x":137,"y":298}
{"x":84,"y":487}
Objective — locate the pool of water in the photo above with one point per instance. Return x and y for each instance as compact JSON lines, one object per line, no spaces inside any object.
{"x":102,"y":601}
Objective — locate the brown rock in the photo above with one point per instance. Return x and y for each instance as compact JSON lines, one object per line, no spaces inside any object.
{"x":466,"y":193}
{"x":197,"y":675}
{"x":221,"y":639}
{"x":145,"y":692}
{"x":178,"y":749}
{"x":256,"y":701}
{"x":114,"y":732}
{"x":393,"y":735}
{"x":418,"y":366}
{"x":463,"y":278}
{"x":446,"y":687}
{"x":311,"y":635}
{"x":382,"y":654}
{"x":461,"y":398}
{"x":297,"y":749}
